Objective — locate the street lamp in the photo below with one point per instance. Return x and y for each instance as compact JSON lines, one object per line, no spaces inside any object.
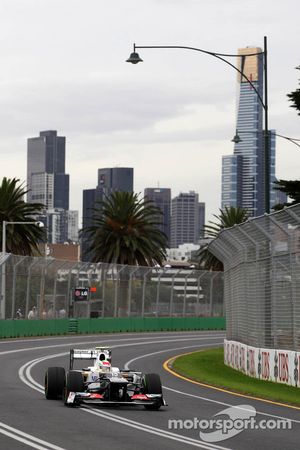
{"x":237,"y":139}
{"x":134,"y":58}
{"x":3,"y":293}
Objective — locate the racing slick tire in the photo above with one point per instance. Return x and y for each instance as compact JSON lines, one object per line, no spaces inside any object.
{"x":152,"y":385}
{"x":54,"y":382}
{"x":73,"y":383}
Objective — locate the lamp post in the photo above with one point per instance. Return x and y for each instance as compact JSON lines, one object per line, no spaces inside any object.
{"x":134,"y":58}
{"x":3,"y":272}
{"x":236,"y":138}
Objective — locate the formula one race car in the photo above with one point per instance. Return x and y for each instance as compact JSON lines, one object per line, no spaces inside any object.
{"x":100,"y":383}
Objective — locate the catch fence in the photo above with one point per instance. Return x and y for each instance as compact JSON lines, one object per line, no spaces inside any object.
{"x":262,"y":279}
{"x":46,"y":288}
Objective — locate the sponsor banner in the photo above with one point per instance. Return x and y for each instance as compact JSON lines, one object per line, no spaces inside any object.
{"x":281,"y":366}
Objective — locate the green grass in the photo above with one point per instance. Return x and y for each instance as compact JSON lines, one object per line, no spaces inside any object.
{"x":207,"y":366}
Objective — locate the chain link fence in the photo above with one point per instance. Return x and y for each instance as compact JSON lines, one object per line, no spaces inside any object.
{"x":35,"y":287}
{"x":262,"y":279}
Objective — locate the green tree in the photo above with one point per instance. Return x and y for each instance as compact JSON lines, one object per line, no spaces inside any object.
{"x":227,"y":218}
{"x":294,"y":97}
{"x":20,"y":239}
{"x":290,"y":187}
{"x":125,"y":231}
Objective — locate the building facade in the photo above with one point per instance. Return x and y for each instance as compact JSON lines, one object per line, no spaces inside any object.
{"x":46,"y":155}
{"x":115,"y":179}
{"x":49,"y":184}
{"x":161,"y":197}
{"x":243,"y":172}
{"x":186,"y":217}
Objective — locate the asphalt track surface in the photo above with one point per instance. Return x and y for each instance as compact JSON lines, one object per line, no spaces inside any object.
{"x":28,"y":420}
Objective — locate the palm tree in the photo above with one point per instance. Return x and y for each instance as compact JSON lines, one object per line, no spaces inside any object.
{"x":227,"y":218}
{"x":125,"y":231}
{"x":20,"y":239}
{"x":291,"y":188}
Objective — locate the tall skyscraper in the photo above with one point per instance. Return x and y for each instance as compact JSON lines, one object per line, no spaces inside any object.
{"x":46,"y":178}
{"x":49,"y":184}
{"x":201,"y":219}
{"x":115,"y":179}
{"x":186,"y":217}
{"x":161,"y":197}
{"x":243,"y":172}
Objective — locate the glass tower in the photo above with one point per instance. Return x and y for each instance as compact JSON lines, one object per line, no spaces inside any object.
{"x":46,"y":156}
{"x":161,"y":197}
{"x":243,"y":172}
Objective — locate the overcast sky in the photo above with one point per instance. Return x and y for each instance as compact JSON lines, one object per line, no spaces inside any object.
{"x":62,"y":66}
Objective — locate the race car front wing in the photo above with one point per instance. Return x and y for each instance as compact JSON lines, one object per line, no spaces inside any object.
{"x":94,"y":398}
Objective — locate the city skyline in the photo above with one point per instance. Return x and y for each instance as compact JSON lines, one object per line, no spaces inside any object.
{"x":171,"y":117}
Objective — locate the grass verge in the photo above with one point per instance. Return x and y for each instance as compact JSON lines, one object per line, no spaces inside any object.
{"x":207,"y":367}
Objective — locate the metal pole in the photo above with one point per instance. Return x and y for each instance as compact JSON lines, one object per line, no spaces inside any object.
{"x":172,"y":291}
{"x":116,"y":291}
{"x":157,"y":292}
{"x":13,"y":295}
{"x":184,"y":296}
{"x":3,"y":287}
{"x":202,"y":274}
{"x":129,"y":292}
{"x":4,"y":237}
{"x":28,"y":287}
{"x":267,"y":140}
{"x":144,"y":291}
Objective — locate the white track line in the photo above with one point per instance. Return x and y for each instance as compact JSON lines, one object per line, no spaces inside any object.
{"x":153,"y":430}
{"x":25,"y":376}
{"x":27,"y":439}
{"x":127,"y":364}
{"x":94,"y":341}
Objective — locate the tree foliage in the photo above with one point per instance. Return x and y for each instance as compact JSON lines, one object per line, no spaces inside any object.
{"x":20,"y":239}
{"x":227,"y":218}
{"x":290,"y":187}
{"x":125,"y":231}
{"x":294,"y":97}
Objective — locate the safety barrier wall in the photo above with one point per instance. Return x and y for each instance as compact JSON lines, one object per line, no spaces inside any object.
{"x":26,"y":328}
{"x":277,"y":365}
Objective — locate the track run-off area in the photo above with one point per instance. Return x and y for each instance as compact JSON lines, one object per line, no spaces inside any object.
{"x":28,"y":420}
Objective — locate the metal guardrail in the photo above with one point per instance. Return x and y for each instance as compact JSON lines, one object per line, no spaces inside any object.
{"x":262,"y":279}
{"x":118,"y":291}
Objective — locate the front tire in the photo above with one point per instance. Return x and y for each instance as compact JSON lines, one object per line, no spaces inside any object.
{"x":74,"y":383}
{"x":54,"y":382}
{"x":152,"y":385}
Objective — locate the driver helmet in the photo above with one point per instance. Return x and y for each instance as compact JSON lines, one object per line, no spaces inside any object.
{"x":103,"y":362}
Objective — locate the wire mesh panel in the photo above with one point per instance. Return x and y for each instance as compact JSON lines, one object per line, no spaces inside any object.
{"x":46,"y":288}
{"x":261,"y":260}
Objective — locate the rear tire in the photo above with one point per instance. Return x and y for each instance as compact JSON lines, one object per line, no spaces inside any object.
{"x":74,"y":383}
{"x":152,"y":385}
{"x":54,"y":382}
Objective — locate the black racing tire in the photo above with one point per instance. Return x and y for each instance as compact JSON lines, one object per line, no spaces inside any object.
{"x":54,"y":382}
{"x":73,"y":383}
{"x":152,"y":385}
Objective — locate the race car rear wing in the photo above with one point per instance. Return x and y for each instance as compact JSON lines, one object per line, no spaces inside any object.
{"x":91,"y":353}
